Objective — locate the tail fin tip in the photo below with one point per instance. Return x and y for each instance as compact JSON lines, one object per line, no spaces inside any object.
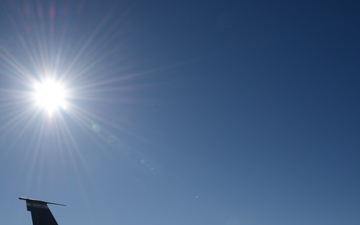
{"x":39,"y":201}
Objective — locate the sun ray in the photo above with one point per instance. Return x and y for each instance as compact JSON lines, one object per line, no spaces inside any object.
{"x":65,"y":79}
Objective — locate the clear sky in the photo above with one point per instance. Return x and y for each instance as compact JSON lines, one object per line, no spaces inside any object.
{"x":182,"y":112}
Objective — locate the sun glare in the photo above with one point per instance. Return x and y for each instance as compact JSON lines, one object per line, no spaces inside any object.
{"x":50,"y":95}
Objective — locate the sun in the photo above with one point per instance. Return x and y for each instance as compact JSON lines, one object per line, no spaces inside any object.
{"x":50,"y":95}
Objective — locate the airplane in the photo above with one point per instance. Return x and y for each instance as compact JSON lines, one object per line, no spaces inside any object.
{"x":40,"y":212}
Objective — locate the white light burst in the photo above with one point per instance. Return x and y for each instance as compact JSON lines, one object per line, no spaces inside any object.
{"x":50,"y":95}
{"x":60,"y":84}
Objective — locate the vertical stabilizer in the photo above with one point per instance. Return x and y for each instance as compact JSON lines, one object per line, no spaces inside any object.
{"x":40,"y":212}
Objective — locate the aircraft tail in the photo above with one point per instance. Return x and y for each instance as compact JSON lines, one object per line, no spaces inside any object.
{"x":40,"y":212}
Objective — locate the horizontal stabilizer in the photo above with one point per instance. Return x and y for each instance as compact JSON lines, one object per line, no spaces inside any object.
{"x":30,"y":200}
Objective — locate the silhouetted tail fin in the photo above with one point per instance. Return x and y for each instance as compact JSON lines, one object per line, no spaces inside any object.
{"x":40,"y":212}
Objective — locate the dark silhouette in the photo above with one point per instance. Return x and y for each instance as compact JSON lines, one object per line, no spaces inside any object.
{"x":40,"y":212}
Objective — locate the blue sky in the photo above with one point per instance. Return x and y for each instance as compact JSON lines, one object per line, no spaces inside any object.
{"x":182,"y":112}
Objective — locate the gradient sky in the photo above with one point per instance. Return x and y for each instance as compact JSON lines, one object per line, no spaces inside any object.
{"x":183,"y":112}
